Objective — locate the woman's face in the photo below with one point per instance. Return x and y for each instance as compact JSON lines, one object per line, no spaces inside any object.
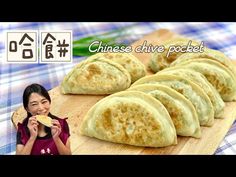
{"x":38,"y":105}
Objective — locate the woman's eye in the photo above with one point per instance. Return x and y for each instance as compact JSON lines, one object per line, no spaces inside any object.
{"x":44,"y":102}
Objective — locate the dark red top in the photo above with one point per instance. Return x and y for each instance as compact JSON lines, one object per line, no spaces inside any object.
{"x":43,"y":145}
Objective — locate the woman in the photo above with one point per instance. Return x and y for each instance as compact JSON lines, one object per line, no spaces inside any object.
{"x":35,"y":138}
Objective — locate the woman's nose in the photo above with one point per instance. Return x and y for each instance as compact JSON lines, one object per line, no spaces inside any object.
{"x":40,"y":107}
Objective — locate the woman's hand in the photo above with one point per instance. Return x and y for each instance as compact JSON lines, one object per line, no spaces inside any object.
{"x":63,"y":149}
{"x":33,"y":126}
{"x":55,"y":129}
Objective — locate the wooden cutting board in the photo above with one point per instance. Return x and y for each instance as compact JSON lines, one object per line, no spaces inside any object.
{"x":76,"y":106}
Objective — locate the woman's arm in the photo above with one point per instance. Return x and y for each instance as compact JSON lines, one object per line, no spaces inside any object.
{"x":33,"y":129}
{"x":63,"y":149}
{"x":25,"y":149}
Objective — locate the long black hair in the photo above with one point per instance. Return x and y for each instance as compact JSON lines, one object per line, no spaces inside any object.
{"x":39,"y":89}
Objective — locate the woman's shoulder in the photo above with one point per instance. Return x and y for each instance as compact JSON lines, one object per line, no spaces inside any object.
{"x":64,"y":125}
{"x":23,"y":124}
{"x":62,"y":121}
{"x":22,"y":132}
{"x":55,"y":117}
{"x":20,"y":127}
